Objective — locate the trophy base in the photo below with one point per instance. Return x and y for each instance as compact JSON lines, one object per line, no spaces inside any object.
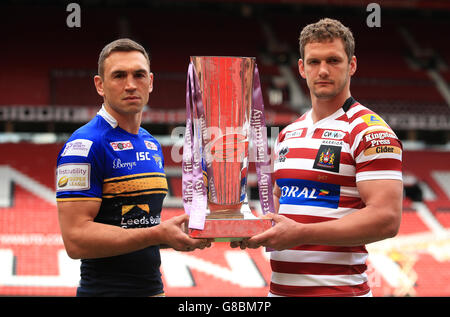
{"x":224,"y":230}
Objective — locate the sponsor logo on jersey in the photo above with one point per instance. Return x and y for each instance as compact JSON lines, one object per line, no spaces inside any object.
{"x":71,"y":177}
{"x":143,"y":156}
{"x":328,"y":158}
{"x":141,"y":222}
{"x":373,"y":119}
{"x":282,"y":154}
{"x":118,"y":164}
{"x":378,"y":135}
{"x":138,"y":216}
{"x":333,"y":134}
{"x":295,"y":134}
{"x":158,"y":160}
{"x":127,"y":208}
{"x":380,"y":141}
{"x":382,"y":149}
{"x":151,"y":145}
{"x":79,"y":147}
{"x":121,"y":145}
{"x":309,"y":193}
{"x":377,"y":138}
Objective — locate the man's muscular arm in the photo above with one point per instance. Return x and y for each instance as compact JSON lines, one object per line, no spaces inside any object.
{"x":379,"y":219}
{"x":84,"y":238}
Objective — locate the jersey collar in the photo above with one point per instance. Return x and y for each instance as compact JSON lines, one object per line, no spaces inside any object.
{"x":108,"y":118}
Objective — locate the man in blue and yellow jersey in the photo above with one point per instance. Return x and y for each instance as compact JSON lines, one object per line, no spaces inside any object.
{"x":111,"y":186}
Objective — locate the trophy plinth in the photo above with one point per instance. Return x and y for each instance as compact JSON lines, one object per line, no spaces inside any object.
{"x":230,"y":224}
{"x":231,"y":229}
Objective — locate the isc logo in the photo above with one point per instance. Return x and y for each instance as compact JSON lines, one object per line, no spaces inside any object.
{"x":142,"y":156}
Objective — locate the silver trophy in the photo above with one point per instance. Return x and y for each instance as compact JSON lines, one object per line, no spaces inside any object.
{"x":222,"y":109}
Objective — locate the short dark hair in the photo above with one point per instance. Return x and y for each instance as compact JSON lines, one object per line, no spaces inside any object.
{"x":326,"y":30}
{"x":120,"y":45}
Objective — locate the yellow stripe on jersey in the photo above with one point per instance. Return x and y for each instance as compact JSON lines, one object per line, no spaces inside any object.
{"x":135,"y":185}
{"x":113,"y":179}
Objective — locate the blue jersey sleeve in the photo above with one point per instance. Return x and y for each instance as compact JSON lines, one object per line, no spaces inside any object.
{"x":79,"y":171}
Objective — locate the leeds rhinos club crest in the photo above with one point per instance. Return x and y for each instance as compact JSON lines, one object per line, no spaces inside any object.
{"x":328,"y":158}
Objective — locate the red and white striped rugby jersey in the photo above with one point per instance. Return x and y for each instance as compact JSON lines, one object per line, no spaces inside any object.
{"x":316,"y":167}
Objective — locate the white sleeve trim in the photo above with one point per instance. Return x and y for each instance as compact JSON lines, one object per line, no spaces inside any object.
{"x":363,"y":176}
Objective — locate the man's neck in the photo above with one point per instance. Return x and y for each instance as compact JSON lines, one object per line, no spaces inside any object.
{"x":324,"y":107}
{"x":128,"y":122}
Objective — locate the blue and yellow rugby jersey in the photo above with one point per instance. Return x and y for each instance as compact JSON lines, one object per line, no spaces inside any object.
{"x":103,"y":162}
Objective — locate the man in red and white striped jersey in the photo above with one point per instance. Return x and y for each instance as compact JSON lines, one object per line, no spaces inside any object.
{"x":338,"y":178}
